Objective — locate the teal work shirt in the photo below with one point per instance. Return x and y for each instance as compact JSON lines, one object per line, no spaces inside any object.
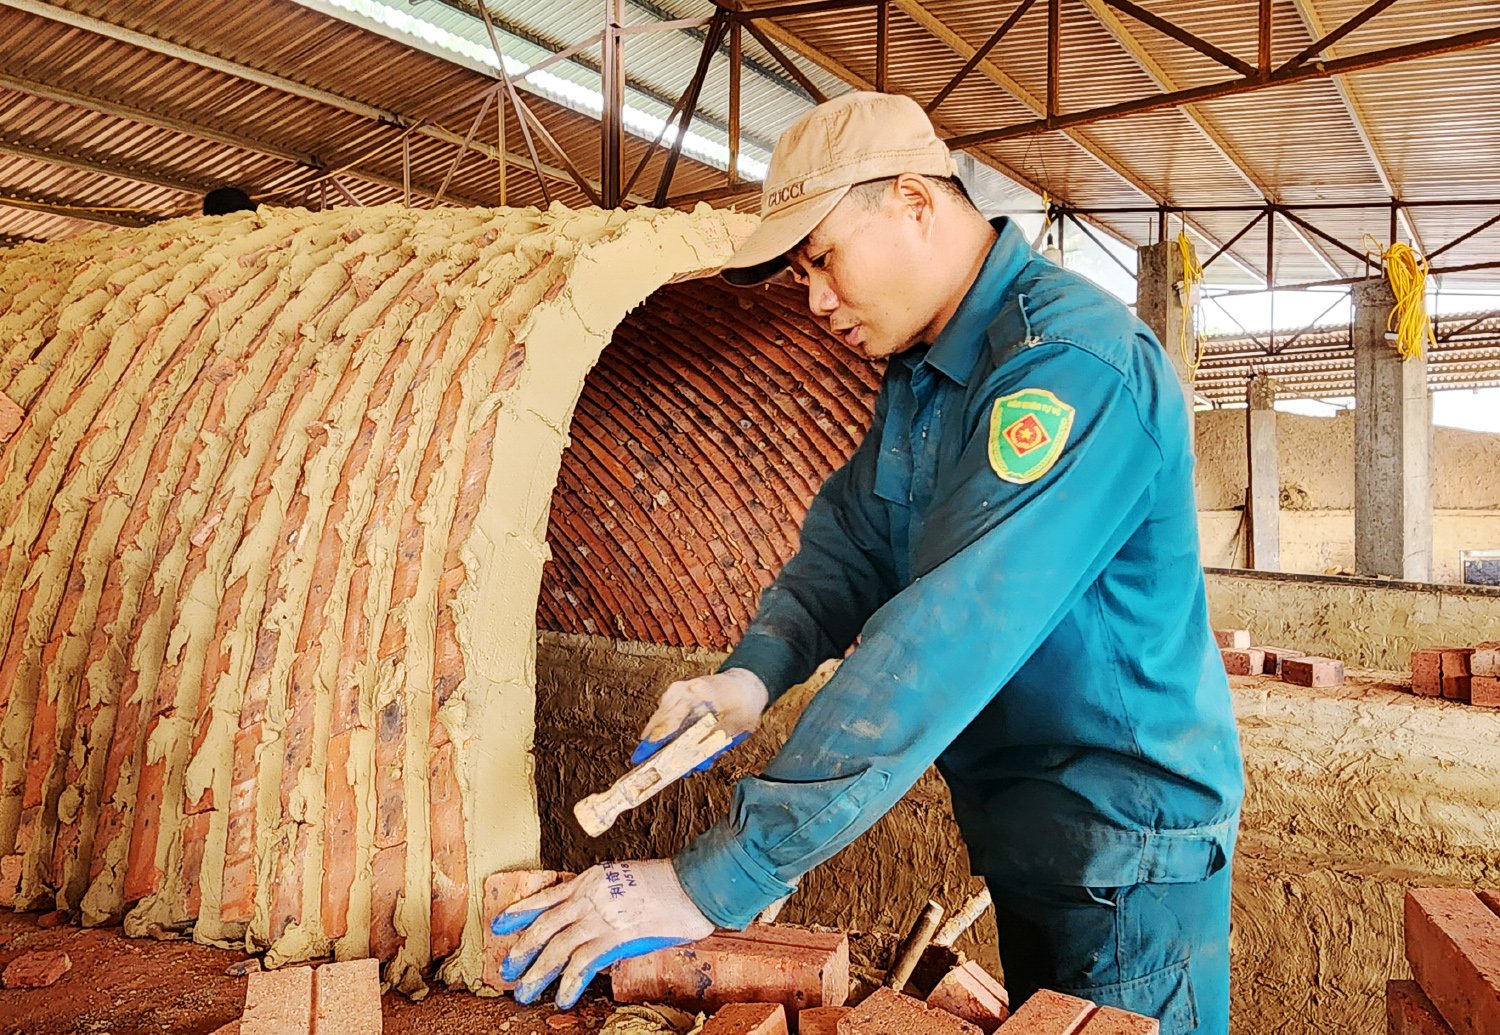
{"x":1021,"y":570}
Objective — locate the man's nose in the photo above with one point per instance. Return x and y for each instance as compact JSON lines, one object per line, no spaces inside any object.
{"x":821,"y":300}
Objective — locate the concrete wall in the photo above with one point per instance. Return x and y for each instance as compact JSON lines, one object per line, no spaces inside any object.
{"x":1317,"y":492}
{"x":1370,"y":623}
{"x":1352,"y":796}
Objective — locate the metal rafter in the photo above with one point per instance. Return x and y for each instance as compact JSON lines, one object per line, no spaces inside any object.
{"x":65,"y":209}
{"x":1215,"y":136}
{"x":53,"y":155}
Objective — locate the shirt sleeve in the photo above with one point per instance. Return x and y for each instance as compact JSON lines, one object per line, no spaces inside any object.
{"x":841,"y":573}
{"x":1017,"y":557}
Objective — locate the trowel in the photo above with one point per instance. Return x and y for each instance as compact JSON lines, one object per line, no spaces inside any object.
{"x":699,"y":741}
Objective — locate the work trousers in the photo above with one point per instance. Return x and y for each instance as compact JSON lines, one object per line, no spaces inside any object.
{"x":1156,"y":949}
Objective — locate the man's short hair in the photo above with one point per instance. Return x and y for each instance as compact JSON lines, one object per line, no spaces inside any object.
{"x":223,"y":200}
{"x":871,"y":193}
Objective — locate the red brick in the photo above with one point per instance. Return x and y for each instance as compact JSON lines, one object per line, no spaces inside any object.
{"x":1109,"y":1020}
{"x":1453,"y":946}
{"x":1276,"y":655}
{"x":747,"y":1019}
{"x":11,"y":417}
{"x":1236,"y":639}
{"x":1456,"y":674}
{"x":1049,"y":1013}
{"x":450,"y":851}
{"x":340,"y":814}
{"x":1409,"y":1012}
{"x":36,"y":969}
{"x":387,"y":885}
{"x":1427,"y":673}
{"x":1484,"y":691}
{"x":968,"y":991}
{"x":501,"y":891}
{"x":1485,"y":661}
{"x":888,"y":1012}
{"x":771,"y":964}
{"x":278,"y":1002}
{"x":1313,"y":671}
{"x":1243,"y":662}
{"x":10,"y":879}
{"x":346,"y":998}
{"x":820,"y":1020}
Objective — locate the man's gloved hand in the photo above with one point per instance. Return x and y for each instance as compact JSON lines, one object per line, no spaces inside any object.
{"x":736,"y":696}
{"x":607,"y":913}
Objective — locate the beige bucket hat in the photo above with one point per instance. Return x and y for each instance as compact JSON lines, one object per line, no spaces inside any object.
{"x":852,"y":139}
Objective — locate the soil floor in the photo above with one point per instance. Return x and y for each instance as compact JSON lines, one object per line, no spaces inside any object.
{"x":125,"y":986}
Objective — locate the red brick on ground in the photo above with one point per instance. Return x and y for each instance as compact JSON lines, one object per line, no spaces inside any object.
{"x":1112,"y":1021}
{"x":762,"y":964}
{"x":11,"y":417}
{"x":1276,"y":655}
{"x":1485,"y":661}
{"x":820,"y":1020}
{"x":747,"y":1019}
{"x":36,"y":969}
{"x":1427,"y":672}
{"x":501,"y":891}
{"x":1313,"y":671}
{"x":1236,"y":639}
{"x":1456,"y":674}
{"x":888,"y":1012}
{"x":278,"y":1002}
{"x":1409,"y":1012}
{"x":1453,"y":946}
{"x":970,"y":992}
{"x":1049,"y":1013}
{"x":1246,"y":662}
{"x":1484,"y":691}
{"x":346,"y":998}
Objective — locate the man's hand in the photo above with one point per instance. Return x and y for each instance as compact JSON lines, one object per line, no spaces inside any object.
{"x":736,"y":696}
{"x":610,"y":912}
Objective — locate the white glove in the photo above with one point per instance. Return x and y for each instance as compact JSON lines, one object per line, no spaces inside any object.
{"x":610,"y":912}
{"x":736,"y":696}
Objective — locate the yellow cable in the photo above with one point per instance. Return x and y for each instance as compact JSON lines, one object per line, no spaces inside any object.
{"x":1192,"y":276}
{"x":1407,"y":272}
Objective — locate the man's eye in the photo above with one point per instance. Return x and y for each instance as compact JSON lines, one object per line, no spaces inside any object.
{"x":819,"y":261}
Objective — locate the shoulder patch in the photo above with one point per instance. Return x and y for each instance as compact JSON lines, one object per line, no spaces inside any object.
{"x":1028,"y":430}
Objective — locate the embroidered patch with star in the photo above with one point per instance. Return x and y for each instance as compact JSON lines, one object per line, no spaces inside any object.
{"x":1028,"y":430}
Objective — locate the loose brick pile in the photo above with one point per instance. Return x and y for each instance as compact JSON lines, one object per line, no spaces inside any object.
{"x":273,"y":490}
{"x":1453,"y":947}
{"x":1468,"y":674}
{"x":1293,"y":666}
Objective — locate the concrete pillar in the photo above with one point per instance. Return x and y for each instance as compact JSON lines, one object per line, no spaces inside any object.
{"x":1263,"y":497}
{"x":1161,"y":305}
{"x":1392,"y":446}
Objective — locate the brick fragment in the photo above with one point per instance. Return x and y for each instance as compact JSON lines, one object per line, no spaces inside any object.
{"x":1276,"y":655}
{"x":346,"y":998}
{"x":278,"y":1002}
{"x":970,"y":992}
{"x":1234,"y":639}
{"x":501,"y":891}
{"x":1109,"y":1020}
{"x":1049,"y":1013}
{"x":232,"y":1028}
{"x":11,"y":417}
{"x":56,"y":918}
{"x":1485,"y":661}
{"x":1243,"y":662}
{"x":1453,"y":946}
{"x":1483,"y":691}
{"x":763,"y":964}
{"x":1427,"y":672}
{"x":1313,"y":671}
{"x":747,"y":1019}
{"x":1409,"y":1012}
{"x":1456,"y":674}
{"x":820,"y":1020}
{"x":888,"y":1012}
{"x":36,"y":969}
{"x":10,"y":879}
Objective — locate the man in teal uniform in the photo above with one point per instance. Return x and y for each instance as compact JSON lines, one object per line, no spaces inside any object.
{"x":1014,"y":548}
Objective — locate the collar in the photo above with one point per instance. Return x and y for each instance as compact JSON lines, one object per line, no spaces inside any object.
{"x":957,"y":348}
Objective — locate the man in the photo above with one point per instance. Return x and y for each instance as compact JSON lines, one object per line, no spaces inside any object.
{"x":1015,"y":547}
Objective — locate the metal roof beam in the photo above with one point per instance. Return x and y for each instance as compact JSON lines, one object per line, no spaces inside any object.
{"x":266,"y":79}
{"x":54,"y":156}
{"x":1350,"y":99}
{"x":1215,"y":136}
{"x":74,"y":210}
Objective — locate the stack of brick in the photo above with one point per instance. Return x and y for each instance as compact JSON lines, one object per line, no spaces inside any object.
{"x":273,"y":491}
{"x":1453,"y":947}
{"x":1242,"y":658}
{"x":1046,"y":1013}
{"x":334,"y":999}
{"x":1467,"y":674}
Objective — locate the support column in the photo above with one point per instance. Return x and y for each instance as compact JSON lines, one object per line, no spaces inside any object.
{"x":1161,"y":305}
{"x":1392,"y":446}
{"x":1263,"y":497}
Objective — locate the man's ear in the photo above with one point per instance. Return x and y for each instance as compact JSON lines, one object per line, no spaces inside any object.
{"x":915,"y":195}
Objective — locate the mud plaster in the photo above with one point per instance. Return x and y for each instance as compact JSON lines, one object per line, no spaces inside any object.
{"x":1353,"y":796}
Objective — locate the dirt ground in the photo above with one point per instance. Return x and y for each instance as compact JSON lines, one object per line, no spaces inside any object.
{"x":125,"y":986}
